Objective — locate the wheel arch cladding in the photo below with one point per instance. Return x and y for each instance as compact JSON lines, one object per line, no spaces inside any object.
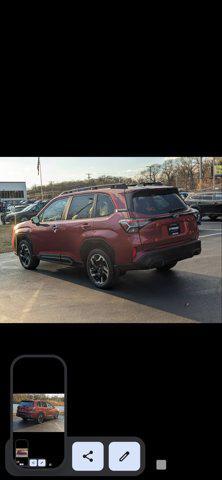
{"x":20,"y":237}
{"x":92,"y":244}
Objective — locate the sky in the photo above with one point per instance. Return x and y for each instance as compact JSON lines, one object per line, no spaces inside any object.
{"x":55,"y":169}
{"x":49,"y":395}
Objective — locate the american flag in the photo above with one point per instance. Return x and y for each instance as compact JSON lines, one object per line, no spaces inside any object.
{"x":38,"y":165}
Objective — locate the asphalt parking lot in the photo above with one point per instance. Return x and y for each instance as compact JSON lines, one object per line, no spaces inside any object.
{"x":48,"y":426}
{"x":191,"y":292}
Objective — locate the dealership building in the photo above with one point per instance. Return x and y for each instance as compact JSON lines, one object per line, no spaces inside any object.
{"x":13,"y":191}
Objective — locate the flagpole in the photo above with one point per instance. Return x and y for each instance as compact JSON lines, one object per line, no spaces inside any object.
{"x":40,"y":173}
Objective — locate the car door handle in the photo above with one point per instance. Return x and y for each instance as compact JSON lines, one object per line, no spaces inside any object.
{"x":55,"y":228}
{"x":86,"y":226}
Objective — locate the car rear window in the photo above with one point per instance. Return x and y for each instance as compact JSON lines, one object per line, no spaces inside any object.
{"x":81,"y":207}
{"x":26,"y":404}
{"x":104,"y":206}
{"x":152,"y":204}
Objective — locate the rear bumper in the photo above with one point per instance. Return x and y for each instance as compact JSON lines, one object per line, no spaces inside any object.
{"x":26,"y":416}
{"x":155,"y":259}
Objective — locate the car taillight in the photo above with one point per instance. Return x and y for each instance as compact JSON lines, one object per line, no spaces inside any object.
{"x":133,"y":225}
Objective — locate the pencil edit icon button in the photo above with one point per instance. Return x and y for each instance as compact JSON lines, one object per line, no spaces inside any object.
{"x":87,"y":456}
{"x":124,"y":456}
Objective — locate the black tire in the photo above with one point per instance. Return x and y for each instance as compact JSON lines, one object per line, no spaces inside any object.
{"x":56,"y":416}
{"x":100,"y":269}
{"x":26,"y":257}
{"x":121,"y":273}
{"x":40,"y":418}
{"x":213,"y":217}
{"x":166,"y":267}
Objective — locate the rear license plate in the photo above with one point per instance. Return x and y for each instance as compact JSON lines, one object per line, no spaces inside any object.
{"x":174,"y":229}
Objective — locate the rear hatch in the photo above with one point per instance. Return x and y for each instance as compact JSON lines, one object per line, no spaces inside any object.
{"x":25,"y":407}
{"x":164,"y":218}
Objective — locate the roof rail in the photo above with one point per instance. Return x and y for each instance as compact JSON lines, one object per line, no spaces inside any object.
{"x":110,"y":185}
{"x":144,"y":184}
{"x":95,"y":187}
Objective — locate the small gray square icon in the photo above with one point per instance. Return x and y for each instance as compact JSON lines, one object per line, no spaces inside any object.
{"x":161,"y":464}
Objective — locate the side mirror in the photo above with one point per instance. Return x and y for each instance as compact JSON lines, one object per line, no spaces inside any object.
{"x":35,"y":220}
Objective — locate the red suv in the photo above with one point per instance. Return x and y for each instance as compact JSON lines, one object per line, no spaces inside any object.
{"x":110,"y":229}
{"x":37,"y":410}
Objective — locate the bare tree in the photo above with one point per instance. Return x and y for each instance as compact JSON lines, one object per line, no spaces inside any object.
{"x":188,"y":171}
{"x":169,"y":173}
{"x":150,"y":174}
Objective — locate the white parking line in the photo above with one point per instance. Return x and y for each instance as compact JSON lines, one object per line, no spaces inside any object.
{"x":209,"y":229}
{"x":218,"y":228}
{"x":27,"y":309}
{"x":60,"y":427}
{"x":210,"y":235}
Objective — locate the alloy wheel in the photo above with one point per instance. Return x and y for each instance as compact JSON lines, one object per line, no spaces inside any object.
{"x":99,"y":269}
{"x":25,"y":254}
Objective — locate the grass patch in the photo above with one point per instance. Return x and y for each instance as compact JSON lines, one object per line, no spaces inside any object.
{"x":5,"y":238}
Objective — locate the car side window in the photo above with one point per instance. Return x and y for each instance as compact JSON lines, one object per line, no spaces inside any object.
{"x":81,"y":207}
{"x":54,"y":211}
{"x":104,"y":206}
{"x":218,"y":196}
{"x":207,"y":197}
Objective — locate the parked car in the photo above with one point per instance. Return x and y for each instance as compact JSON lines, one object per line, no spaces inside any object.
{"x":183,"y":194}
{"x":110,"y":229}
{"x":18,"y":208}
{"x":207,"y":203}
{"x":197,"y":216}
{"x":11,"y":208}
{"x":8,"y":209}
{"x":36,"y":410}
{"x":25,"y":213}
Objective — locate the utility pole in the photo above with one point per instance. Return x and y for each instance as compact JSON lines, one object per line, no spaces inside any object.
{"x":201,"y":173}
{"x":213,"y":173}
{"x":39,"y":168}
{"x":52,"y":189}
{"x":88,"y":176}
{"x":176,"y":178}
{"x":150,"y":169}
